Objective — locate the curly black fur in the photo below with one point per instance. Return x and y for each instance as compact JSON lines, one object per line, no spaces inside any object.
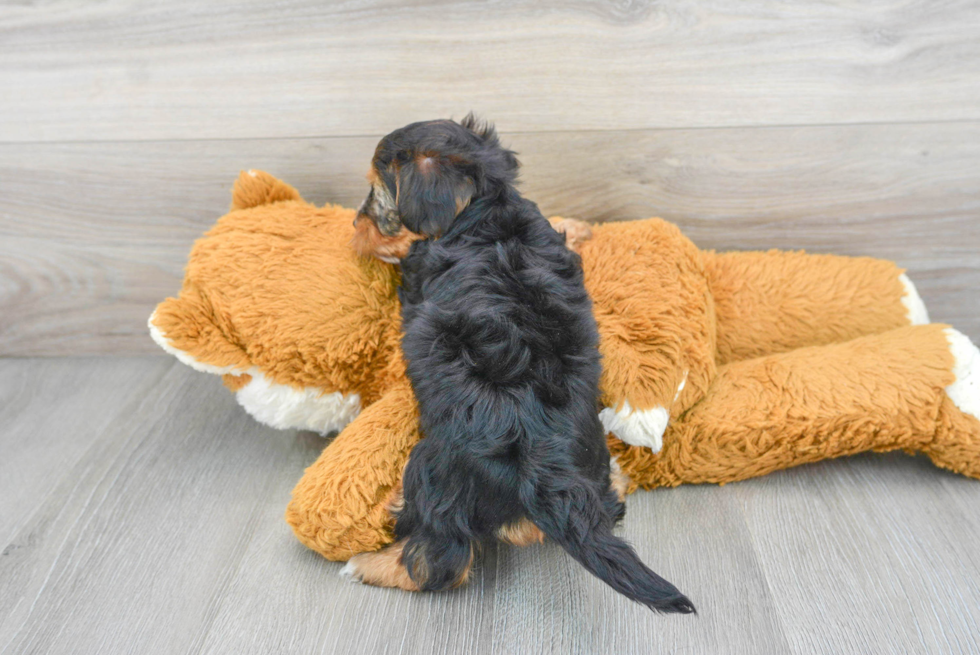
{"x":501,"y":346}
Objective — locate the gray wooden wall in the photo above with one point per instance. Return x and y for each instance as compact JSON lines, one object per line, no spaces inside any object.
{"x":849,"y":127}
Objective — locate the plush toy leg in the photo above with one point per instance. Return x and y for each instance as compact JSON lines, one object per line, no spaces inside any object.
{"x":957,"y":443}
{"x":880,"y":392}
{"x":340,"y":506}
{"x":771,"y":302}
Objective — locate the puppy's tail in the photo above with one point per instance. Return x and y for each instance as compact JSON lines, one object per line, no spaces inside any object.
{"x":580,"y":521}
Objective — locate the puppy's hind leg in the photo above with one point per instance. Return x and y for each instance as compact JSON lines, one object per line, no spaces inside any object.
{"x":382,"y":568}
{"x":422,"y":561}
{"x":438,"y":562}
{"x":435,"y":546}
{"x":576,"y":232}
{"x":524,"y":533}
{"x":415,"y":564}
{"x":520,"y":533}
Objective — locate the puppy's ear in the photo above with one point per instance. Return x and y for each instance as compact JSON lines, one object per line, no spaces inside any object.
{"x":431,"y":194}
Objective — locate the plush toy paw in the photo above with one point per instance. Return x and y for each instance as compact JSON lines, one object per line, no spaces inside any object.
{"x":637,"y":427}
{"x":965,"y":392}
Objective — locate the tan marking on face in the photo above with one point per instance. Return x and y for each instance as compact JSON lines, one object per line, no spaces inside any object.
{"x":387,"y":211}
{"x":369,"y":242}
{"x":521,"y":533}
{"x":382,"y":198}
{"x":462,"y":203}
{"x":425,"y":164}
{"x":379,"y":207}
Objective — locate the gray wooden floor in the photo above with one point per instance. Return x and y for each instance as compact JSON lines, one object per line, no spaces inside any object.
{"x":141,"y":512}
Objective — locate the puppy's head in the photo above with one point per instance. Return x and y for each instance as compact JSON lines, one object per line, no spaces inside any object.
{"x":423,"y":176}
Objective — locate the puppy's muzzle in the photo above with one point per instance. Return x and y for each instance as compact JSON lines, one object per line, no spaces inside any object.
{"x":369,"y":241}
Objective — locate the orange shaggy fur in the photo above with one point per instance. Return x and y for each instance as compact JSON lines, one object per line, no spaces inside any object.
{"x":761,"y":360}
{"x":368,"y":241}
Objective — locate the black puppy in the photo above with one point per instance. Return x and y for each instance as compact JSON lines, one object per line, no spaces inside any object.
{"x":501,"y":349}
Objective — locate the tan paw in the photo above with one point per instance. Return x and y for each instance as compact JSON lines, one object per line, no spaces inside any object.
{"x":382,"y":568}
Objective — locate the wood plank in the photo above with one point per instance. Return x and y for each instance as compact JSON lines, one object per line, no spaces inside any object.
{"x":286,"y":598}
{"x":695,"y":537}
{"x":94,"y":235}
{"x":44,"y":434}
{"x":533,"y":600}
{"x":130,"y":550}
{"x":870,"y":554}
{"x":99,"y":71}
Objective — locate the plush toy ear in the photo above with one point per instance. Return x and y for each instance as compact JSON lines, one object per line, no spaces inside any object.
{"x":254,"y":188}
{"x":430,"y":194}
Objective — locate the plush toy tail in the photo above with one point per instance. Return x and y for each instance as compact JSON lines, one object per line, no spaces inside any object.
{"x":254,"y":188}
{"x":580,"y":519}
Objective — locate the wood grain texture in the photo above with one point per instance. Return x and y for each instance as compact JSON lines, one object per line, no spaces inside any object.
{"x":692,"y":536}
{"x":41,"y":404}
{"x":858,"y":554}
{"x":184,"y":69}
{"x":95,"y":234}
{"x":131,"y":549}
{"x":164,"y":534}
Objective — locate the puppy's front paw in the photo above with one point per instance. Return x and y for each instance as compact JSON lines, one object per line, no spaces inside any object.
{"x":381,"y":568}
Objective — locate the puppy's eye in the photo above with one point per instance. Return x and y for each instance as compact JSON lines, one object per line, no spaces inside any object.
{"x":402,"y":157}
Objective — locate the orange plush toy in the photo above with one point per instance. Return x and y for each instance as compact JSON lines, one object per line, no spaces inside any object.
{"x":717,"y":367}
